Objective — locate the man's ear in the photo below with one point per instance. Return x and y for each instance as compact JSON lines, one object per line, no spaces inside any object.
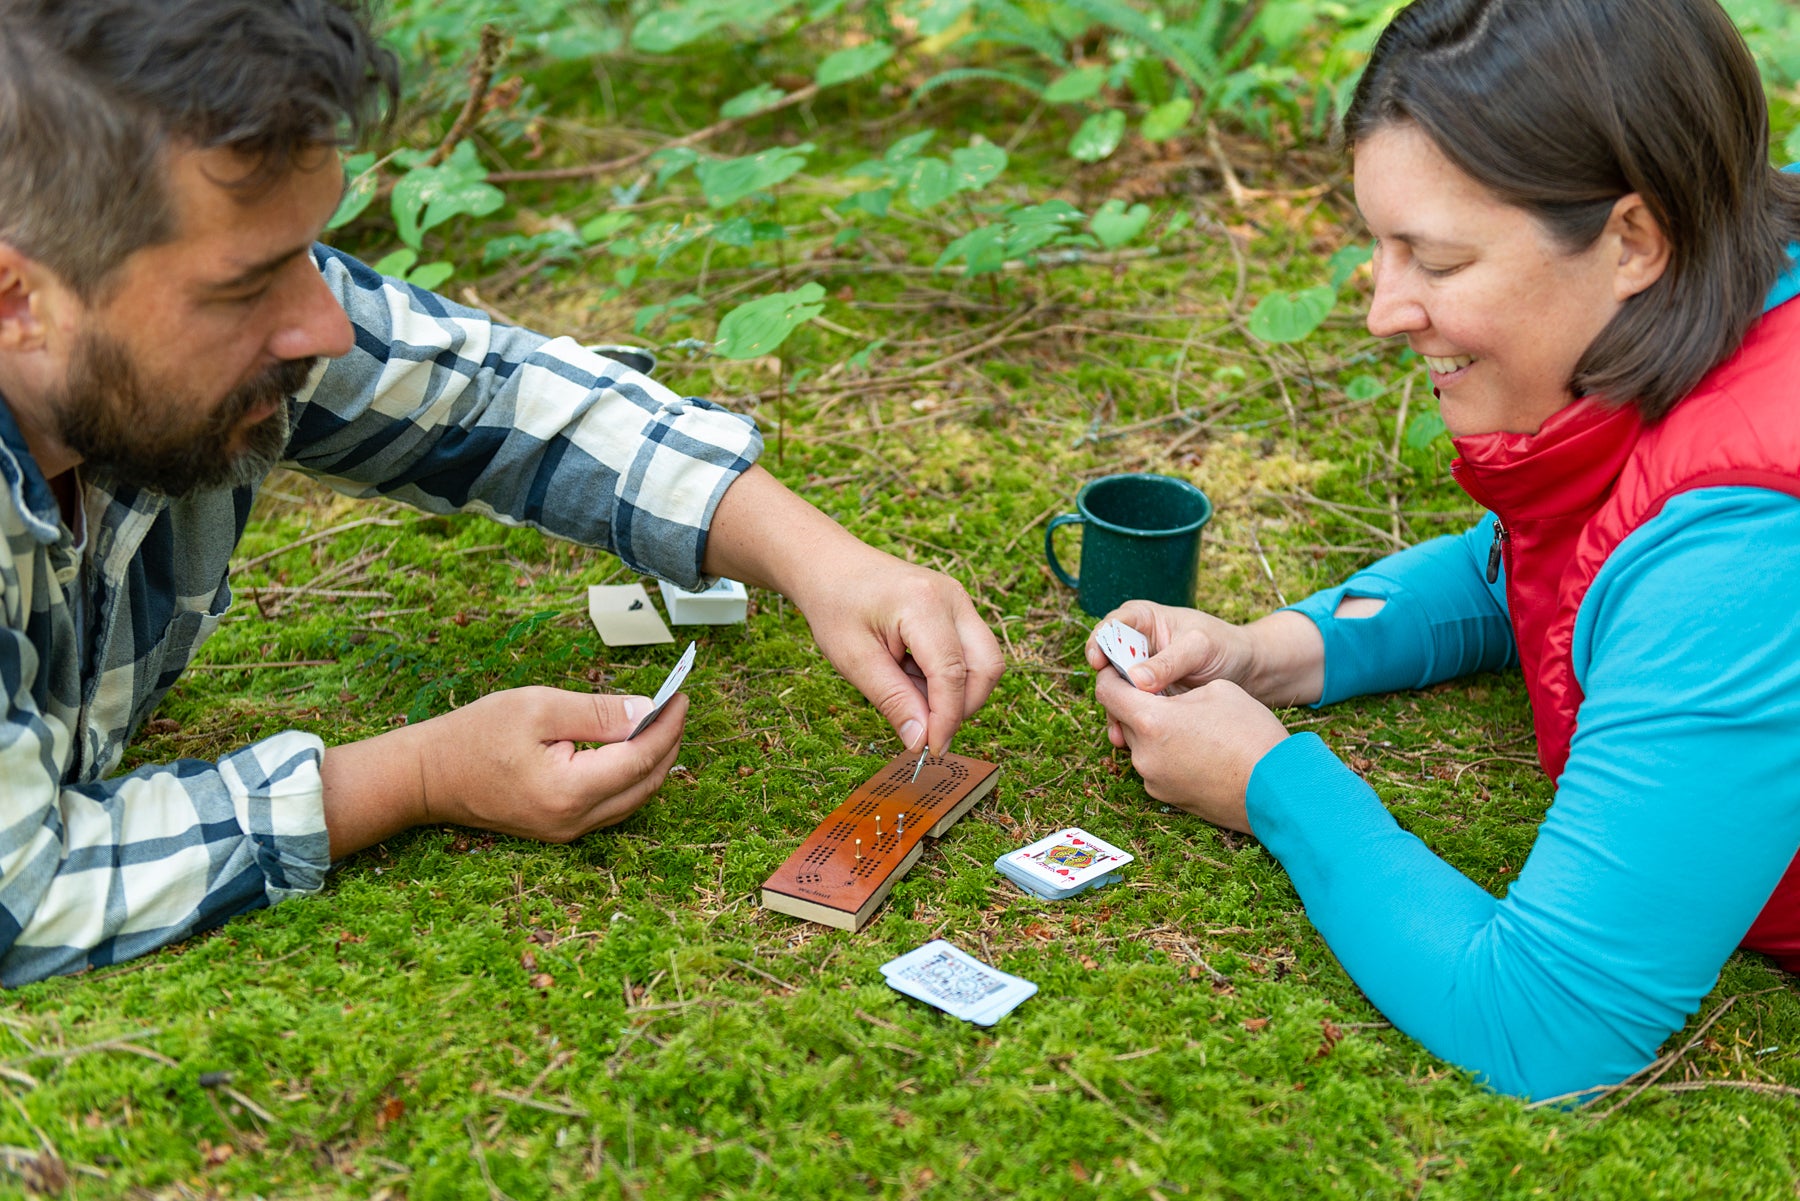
{"x":23,"y":282}
{"x":1643,"y":246}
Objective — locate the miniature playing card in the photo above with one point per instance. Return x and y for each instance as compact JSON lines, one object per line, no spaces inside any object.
{"x":625,"y":616}
{"x":666,"y":693}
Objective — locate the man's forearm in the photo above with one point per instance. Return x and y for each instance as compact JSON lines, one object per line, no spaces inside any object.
{"x":763,"y":534}
{"x":374,"y":789}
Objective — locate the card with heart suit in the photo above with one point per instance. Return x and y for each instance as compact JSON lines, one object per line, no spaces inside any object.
{"x":624,"y":615}
{"x":1067,"y":859}
{"x":1123,"y":646}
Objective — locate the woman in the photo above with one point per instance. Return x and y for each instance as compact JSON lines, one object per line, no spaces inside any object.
{"x":1579,"y":231}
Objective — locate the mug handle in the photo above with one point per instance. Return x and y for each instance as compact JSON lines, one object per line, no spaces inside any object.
{"x":1050,"y":546}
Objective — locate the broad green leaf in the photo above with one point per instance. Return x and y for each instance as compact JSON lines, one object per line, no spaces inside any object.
{"x":1166,"y":120}
{"x":976,"y":165}
{"x":1084,"y":83}
{"x":1098,"y":136}
{"x":1149,"y":79}
{"x":931,"y":183}
{"x":578,"y":41}
{"x":672,"y":161}
{"x":753,"y":101}
{"x":1290,"y":316}
{"x":909,"y":146}
{"x":760,"y":326}
{"x":396,"y":264}
{"x":936,"y":16}
{"x":1424,"y":429}
{"x":431,"y":275}
{"x":853,"y":63}
{"x":1039,"y":225}
{"x":1345,"y":262}
{"x":625,"y":276}
{"x":1283,"y":21}
{"x":735,"y":232}
{"x":359,"y":190}
{"x":1116,"y":225}
{"x":982,"y":249}
{"x":427,"y":197}
{"x":1364,"y":387}
{"x":663,"y":30}
{"x":726,"y":181}
{"x":599,"y":229}
{"x":874,"y":202}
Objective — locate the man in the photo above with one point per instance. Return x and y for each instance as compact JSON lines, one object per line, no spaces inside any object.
{"x":169,"y":330}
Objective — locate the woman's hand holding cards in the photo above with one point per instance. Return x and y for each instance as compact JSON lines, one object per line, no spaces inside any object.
{"x":1194,"y":751}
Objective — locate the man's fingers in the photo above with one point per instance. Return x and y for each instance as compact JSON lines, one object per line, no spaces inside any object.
{"x":615,"y":807}
{"x":557,"y":715}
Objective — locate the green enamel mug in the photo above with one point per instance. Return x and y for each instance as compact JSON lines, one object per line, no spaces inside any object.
{"x":1140,"y":540}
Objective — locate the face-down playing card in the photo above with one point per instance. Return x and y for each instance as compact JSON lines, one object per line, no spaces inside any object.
{"x":957,"y":983}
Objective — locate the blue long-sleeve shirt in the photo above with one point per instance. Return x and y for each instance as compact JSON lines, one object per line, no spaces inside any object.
{"x":1676,"y":815}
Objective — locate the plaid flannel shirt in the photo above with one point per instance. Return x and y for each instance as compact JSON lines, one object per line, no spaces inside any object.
{"x":438,"y":406}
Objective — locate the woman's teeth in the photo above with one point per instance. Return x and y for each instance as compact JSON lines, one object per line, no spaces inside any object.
{"x":1446,"y":366}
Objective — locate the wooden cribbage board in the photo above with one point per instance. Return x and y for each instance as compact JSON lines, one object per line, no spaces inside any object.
{"x":826,"y":880}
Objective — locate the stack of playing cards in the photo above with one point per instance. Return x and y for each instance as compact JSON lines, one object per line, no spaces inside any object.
{"x":1066,"y":863}
{"x":959,"y":984}
{"x":1123,"y":647}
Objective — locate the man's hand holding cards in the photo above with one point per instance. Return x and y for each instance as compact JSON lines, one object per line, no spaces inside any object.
{"x":667,"y":692}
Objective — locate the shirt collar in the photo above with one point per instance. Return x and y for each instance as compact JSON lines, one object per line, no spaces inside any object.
{"x":24,"y":482}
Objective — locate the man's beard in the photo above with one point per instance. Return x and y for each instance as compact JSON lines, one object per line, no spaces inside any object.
{"x":123,"y":426}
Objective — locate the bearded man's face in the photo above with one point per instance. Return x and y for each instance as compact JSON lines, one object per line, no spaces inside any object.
{"x":133,"y":430}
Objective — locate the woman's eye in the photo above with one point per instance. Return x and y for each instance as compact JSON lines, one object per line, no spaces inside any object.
{"x":1439,"y":272}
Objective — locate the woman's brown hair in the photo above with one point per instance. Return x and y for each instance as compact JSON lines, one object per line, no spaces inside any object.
{"x":1561,"y":107}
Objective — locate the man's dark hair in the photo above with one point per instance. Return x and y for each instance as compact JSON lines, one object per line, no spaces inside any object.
{"x":1561,"y":107}
{"x":94,"y":93}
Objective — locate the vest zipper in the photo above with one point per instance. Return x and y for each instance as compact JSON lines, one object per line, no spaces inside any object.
{"x":1494,"y":552}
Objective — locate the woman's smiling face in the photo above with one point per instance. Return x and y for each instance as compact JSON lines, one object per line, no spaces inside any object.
{"x":1499,"y":311}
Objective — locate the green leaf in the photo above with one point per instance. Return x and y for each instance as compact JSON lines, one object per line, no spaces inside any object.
{"x":648,"y":315}
{"x":599,"y":229}
{"x":663,"y":30}
{"x":578,"y":41}
{"x":976,"y":165}
{"x":1283,"y":21}
{"x":874,"y":202}
{"x":984,"y":250}
{"x":1424,"y":429}
{"x":1166,"y":120}
{"x":930,"y":183}
{"x":396,"y":264}
{"x":1290,"y":316}
{"x":760,"y":326}
{"x":854,"y":63}
{"x":1116,"y":225}
{"x":908,"y":146}
{"x":1081,"y":84}
{"x":1098,"y":136}
{"x":431,"y":275}
{"x":672,"y":161}
{"x":725,"y":181}
{"x":1345,"y":262}
{"x":1364,"y":388}
{"x":359,"y":190}
{"x":936,"y":16}
{"x":427,"y":197}
{"x":753,"y":101}
{"x":1038,"y":225}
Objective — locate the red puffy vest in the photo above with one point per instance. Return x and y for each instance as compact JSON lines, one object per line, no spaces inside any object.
{"x":1567,"y":495}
